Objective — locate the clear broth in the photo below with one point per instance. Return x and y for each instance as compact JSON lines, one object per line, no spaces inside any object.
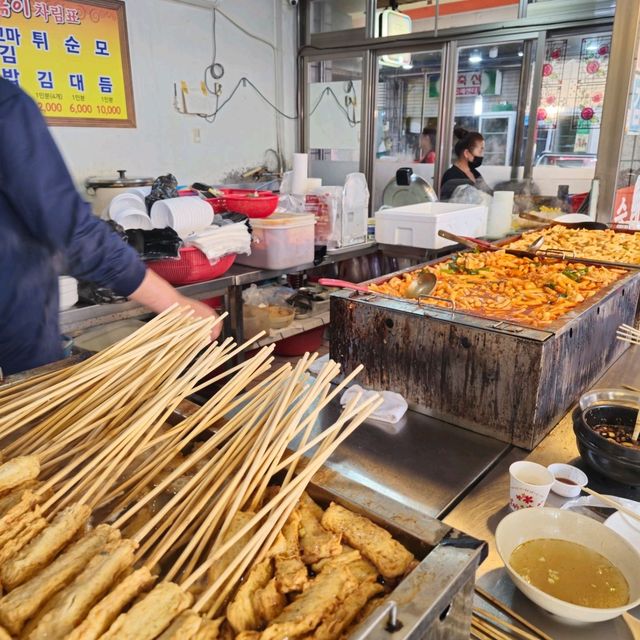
{"x":571,"y":572}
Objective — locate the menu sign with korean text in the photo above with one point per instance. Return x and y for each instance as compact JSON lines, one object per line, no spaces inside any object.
{"x":71,"y":57}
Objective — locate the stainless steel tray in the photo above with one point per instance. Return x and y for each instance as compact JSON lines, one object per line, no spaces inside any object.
{"x":435,"y":599}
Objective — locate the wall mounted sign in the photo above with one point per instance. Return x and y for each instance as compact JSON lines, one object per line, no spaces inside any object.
{"x":471,"y":83}
{"x":72,"y":57}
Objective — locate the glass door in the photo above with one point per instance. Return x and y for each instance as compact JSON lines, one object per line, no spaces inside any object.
{"x":333,"y":107}
{"x":406,"y":119}
{"x":488,"y":100}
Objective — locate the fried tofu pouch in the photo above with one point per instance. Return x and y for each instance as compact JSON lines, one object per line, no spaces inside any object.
{"x":149,"y":617}
{"x":102,"y":615}
{"x":24,"y":602}
{"x":44,"y":547}
{"x":315,"y":540}
{"x":305,"y":613}
{"x":241,"y":611}
{"x":291,"y":573}
{"x":334,"y":625}
{"x":375,"y":543}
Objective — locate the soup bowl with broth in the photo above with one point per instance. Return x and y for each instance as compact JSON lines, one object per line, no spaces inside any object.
{"x":572,"y":559}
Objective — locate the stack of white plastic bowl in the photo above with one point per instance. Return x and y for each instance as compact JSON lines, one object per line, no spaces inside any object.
{"x":130,"y":211}
{"x":186,"y":215}
{"x":68,"y":292}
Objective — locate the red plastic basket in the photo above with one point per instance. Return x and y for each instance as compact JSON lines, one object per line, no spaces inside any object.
{"x":192,"y":266}
{"x":255,"y":204}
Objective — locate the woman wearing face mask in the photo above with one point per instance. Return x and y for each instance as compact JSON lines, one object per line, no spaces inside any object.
{"x":469,"y":150}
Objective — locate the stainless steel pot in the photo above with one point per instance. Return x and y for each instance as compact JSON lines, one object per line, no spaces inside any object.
{"x":103,"y":189}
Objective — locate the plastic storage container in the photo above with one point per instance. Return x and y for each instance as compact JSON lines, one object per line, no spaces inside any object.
{"x":417,"y":225}
{"x":281,"y":241}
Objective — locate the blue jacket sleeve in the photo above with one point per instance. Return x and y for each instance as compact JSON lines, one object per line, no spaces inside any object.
{"x":35,"y":180}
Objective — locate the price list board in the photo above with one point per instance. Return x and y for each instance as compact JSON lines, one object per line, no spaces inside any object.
{"x":72,"y":58}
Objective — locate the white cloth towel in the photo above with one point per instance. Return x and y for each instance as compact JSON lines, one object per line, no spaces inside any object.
{"x":391,"y":410}
{"x":217,"y":242}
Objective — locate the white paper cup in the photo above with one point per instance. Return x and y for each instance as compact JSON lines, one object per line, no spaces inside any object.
{"x":141,"y":192}
{"x":184,"y":215}
{"x":567,"y":472}
{"x":124,"y":201}
{"x":530,"y":485}
{"x":133,"y":219}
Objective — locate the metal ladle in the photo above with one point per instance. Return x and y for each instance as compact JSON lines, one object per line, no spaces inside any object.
{"x":422,"y":286}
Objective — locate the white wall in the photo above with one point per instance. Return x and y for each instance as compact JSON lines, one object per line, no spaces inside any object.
{"x":170,"y":41}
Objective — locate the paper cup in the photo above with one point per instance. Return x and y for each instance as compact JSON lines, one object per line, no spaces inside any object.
{"x":185,"y":215}
{"x":124,"y":201}
{"x":133,"y":219}
{"x":530,"y":485}
{"x":141,"y":192}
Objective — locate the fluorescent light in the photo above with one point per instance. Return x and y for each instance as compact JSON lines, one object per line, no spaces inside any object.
{"x":520,"y":54}
{"x":474,"y":58}
{"x":493,"y":52}
{"x":407,"y":66}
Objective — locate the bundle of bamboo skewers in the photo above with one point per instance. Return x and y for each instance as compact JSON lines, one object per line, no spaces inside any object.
{"x":201,"y":514}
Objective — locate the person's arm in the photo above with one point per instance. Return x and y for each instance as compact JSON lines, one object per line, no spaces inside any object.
{"x":35,"y":180}
{"x":157,"y":294}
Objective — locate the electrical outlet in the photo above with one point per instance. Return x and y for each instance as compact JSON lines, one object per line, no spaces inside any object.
{"x":196,"y":136}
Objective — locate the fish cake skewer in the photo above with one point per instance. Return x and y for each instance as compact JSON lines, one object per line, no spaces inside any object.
{"x":102,"y":615}
{"x":45,"y":547}
{"x":70,"y":606}
{"x":24,"y":601}
{"x":149,"y":617}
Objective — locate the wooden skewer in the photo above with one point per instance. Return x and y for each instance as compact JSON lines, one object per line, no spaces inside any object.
{"x":489,"y":630}
{"x":613,"y":503}
{"x":368,"y":407}
{"x":505,"y":624}
{"x":485,"y":595}
{"x":630,"y":388}
{"x":282,"y":503}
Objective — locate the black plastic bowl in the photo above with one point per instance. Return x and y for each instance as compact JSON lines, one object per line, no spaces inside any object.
{"x":612,"y":460}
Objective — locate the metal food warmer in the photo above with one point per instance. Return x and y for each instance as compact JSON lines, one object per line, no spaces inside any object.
{"x":506,"y":380}
{"x":435,"y":600}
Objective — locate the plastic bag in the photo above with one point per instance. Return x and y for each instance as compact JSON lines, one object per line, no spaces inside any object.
{"x":163,"y":187}
{"x":468,"y":194}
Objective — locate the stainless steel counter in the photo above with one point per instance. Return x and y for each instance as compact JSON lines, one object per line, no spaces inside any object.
{"x":420,"y":462}
{"x":479,"y":513}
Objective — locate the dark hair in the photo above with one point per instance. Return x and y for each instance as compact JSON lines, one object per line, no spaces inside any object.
{"x":430,"y":132}
{"x":467,"y":140}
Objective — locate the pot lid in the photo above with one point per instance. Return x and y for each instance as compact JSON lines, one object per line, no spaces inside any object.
{"x":122,"y":180}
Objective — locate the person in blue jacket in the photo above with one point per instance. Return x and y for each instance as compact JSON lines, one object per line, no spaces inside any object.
{"x":43,"y":222}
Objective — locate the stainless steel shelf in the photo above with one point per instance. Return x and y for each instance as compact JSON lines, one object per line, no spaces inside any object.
{"x":78,"y":319}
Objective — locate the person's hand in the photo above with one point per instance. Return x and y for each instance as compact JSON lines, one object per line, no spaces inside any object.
{"x":202,"y":310}
{"x":157,"y":294}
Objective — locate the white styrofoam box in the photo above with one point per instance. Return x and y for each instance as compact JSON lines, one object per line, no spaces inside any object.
{"x":417,"y":225}
{"x":281,"y":241}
